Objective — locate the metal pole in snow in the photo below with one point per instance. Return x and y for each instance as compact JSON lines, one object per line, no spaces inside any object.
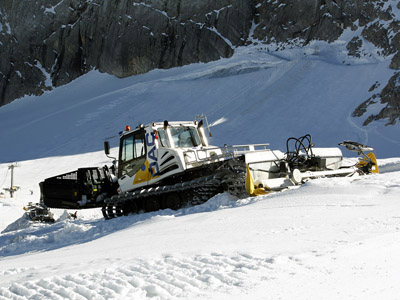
{"x":12,"y":188}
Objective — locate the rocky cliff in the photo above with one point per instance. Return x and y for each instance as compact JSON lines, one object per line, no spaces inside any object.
{"x":55,"y":41}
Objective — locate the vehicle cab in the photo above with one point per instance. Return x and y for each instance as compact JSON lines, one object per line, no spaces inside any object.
{"x":150,"y":153}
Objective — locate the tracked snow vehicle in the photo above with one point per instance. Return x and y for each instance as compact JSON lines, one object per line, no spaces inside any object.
{"x":39,"y":212}
{"x":170,"y":164}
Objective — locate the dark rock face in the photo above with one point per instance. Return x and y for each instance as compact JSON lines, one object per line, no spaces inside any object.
{"x":56,"y":41}
{"x":280,"y":21}
{"x":390,"y":97}
{"x":382,"y":29}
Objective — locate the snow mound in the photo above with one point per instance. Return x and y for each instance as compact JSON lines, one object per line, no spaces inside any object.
{"x":25,"y":236}
{"x":220,"y":201}
{"x":64,"y":216}
{"x":23,"y":222}
{"x":389,"y":165}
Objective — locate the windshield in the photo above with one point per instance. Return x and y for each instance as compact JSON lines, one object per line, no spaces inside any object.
{"x":184,"y":137}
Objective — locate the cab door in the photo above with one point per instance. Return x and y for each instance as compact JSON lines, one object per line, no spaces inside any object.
{"x":132,"y":153}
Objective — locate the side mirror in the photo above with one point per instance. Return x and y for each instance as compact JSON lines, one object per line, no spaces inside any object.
{"x":107,"y":147}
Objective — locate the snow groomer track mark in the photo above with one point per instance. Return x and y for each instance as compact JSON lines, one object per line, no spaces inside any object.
{"x":166,"y":278}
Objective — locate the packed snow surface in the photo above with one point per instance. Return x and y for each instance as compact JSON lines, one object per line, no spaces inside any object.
{"x":331,"y":238}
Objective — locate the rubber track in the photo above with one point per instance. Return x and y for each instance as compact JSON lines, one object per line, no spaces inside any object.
{"x":192,"y":192}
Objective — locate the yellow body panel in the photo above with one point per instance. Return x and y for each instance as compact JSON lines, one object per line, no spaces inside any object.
{"x":144,"y":174}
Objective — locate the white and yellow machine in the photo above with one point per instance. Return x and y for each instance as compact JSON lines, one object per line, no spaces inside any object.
{"x":170,"y":164}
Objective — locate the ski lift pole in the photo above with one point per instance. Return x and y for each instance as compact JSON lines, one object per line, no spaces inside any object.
{"x":12,"y":188}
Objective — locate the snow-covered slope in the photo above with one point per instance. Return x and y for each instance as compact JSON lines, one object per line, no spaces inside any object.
{"x":332,"y":238}
{"x":262,"y":96}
